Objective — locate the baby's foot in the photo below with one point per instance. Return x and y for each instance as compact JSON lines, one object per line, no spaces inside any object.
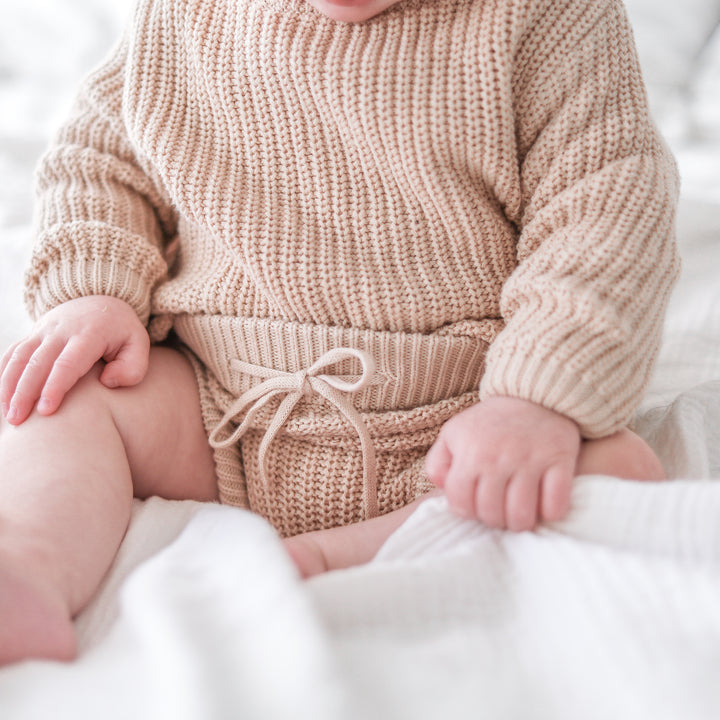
{"x":341,"y":547}
{"x":34,"y":620}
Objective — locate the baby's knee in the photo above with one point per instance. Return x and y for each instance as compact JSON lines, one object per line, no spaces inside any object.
{"x":87,"y":395}
{"x":640,"y":457}
{"x":624,"y":455}
{"x":165,"y":367}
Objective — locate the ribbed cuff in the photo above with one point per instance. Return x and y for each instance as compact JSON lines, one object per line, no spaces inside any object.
{"x":82,"y":277}
{"x":557,"y":387}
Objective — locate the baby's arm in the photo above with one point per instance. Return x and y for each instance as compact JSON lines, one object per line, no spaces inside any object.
{"x":103,"y":217}
{"x":596,"y":260}
{"x":596,"y":256}
{"x":102,"y":225}
{"x":63,"y":346}
{"x":507,"y":462}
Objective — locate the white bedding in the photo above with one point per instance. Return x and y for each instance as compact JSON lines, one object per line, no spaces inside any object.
{"x":613,"y":613}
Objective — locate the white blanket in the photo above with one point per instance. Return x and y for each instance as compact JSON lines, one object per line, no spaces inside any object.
{"x":613,"y":613}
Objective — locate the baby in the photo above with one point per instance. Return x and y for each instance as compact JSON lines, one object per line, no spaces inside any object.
{"x":319,"y":258}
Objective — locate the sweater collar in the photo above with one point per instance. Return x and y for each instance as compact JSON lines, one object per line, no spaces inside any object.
{"x":302,"y":7}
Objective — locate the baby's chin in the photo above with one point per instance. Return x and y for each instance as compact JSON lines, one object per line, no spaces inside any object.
{"x":351,"y":11}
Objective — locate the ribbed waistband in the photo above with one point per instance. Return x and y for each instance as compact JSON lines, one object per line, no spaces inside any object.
{"x":412,"y":369}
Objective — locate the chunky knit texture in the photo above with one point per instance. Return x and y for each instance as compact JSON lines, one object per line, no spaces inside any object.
{"x":446,"y":167}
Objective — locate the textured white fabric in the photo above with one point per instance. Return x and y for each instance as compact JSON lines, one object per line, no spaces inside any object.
{"x":613,"y":613}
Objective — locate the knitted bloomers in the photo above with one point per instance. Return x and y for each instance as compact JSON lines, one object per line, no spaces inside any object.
{"x":316,"y":426}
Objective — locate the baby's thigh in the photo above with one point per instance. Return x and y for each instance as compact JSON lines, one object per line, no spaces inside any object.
{"x":161,"y":424}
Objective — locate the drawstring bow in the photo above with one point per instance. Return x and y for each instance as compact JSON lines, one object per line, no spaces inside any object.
{"x":294,"y":385}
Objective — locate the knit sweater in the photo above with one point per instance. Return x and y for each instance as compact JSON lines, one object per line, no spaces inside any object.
{"x":447,"y":166}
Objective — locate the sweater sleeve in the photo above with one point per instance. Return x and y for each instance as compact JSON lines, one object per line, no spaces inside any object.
{"x":596,"y":251}
{"x":101,"y":222}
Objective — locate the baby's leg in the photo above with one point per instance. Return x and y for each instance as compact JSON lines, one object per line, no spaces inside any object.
{"x":341,"y":547}
{"x":66,"y":486}
{"x":623,"y":455}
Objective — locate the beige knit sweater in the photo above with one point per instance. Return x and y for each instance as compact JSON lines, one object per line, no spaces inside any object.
{"x":445,"y":164}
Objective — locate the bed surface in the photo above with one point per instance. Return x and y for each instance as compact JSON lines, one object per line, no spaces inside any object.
{"x":615,"y":612}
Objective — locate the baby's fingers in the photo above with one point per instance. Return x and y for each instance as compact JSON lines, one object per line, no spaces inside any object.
{"x":5,"y":360}
{"x":438,"y":462}
{"x":521,"y":500}
{"x":129,"y":365}
{"x":490,"y":497}
{"x":555,"y":493}
{"x":460,"y":487}
{"x":14,"y":363}
{"x":8,"y":380}
{"x":23,"y":377}
{"x":73,"y":362}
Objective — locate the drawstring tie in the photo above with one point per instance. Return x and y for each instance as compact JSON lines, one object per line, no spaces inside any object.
{"x":294,"y":385}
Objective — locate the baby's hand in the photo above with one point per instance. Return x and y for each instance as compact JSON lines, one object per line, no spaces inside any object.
{"x":507,"y":462}
{"x":63,"y":346}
